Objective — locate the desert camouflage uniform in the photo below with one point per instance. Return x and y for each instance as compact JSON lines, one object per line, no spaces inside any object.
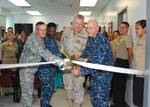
{"x":74,"y":42}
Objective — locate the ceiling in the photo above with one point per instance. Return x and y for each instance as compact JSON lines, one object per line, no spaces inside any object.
{"x":54,"y":7}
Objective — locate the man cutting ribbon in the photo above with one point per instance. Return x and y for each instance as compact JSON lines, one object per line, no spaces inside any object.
{"x":74,"y":40}
{"x":97,"y":50}
{"x":33,"y":52}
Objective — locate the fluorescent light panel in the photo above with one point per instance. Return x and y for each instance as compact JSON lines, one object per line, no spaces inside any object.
{"x":34,"y":12}
{"x":20,"y":3}
{"x":88,"y":3}
{"x":85,"y":13}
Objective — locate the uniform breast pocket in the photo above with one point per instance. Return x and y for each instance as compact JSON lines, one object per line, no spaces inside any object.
{"x":78,"y":41}
{"x":140,"y":45}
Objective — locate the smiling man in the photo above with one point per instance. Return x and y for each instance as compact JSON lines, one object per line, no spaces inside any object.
{"x":46,"y":72}
{"x":74,"y":40}
{"x":97,"y":50}
{"x":34,"y":50}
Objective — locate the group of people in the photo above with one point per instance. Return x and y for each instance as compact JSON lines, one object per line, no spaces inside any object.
{"x":10,"y":49}
{"x":126,"y":53}
{"x":82,"y":42}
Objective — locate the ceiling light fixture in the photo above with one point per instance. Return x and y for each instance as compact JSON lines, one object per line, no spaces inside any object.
{"x":34,"y":12}
{"x":85,"y":13}
{"x":88,"y":3}
{"x":20,"y":3}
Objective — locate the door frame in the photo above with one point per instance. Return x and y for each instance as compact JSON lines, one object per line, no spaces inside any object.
{"x":146,"y":100}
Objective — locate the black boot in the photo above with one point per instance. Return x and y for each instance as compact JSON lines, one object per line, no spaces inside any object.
{"x":39,"y":92}
{"x":15,"y":96}
{"x":50,"y":105}
{"x":16,"y":86}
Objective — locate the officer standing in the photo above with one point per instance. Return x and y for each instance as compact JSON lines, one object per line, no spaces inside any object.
{"x":34,"y":50}
{"x":74,"y":41}
{"x":97,"y":50}
{"x":46,"y":72}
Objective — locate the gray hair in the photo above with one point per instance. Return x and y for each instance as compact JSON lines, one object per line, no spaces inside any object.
{"x":81,"y":17}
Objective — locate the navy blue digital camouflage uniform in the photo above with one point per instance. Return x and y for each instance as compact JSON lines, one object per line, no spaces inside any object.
{"x":98,"y":50}
{"x":46,"y":72}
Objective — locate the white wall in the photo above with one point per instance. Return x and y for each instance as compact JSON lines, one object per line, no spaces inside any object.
{"x":136,"y":11}
{"x":3,"y":14}
{"x":2,"y":20}
{"x":60,"y":20}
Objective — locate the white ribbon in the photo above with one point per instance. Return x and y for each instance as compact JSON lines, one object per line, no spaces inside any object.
{"x":7,"y":66}
{"x":109,"y":68}
{"x":84,"y":64}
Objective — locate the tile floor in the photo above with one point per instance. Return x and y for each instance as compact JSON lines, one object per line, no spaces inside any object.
{"x":58,"y":100}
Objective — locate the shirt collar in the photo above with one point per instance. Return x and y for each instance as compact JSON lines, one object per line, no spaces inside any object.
{"x":97,"y":35}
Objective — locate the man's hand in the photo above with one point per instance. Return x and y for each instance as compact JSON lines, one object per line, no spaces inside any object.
{"x":76,"y":70}
{"x":60,"y":63}
{"x":76,"y":56}
{"x":64,"y":63}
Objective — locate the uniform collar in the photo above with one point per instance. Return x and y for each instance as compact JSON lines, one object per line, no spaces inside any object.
{"x":124,"y":34}
{"x":74,"y":33}
{"x":51,"y":37}
{"x":96,"y":36}
{"x":141,"y":38}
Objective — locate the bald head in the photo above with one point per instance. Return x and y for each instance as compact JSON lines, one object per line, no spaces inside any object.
{"x":93,"y":22}
{"x":92,"y":27}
